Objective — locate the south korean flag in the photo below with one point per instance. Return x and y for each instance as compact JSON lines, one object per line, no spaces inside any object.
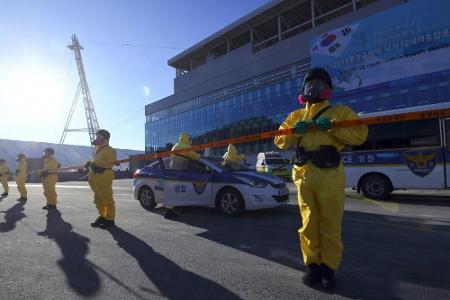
{"x":334,"y":42}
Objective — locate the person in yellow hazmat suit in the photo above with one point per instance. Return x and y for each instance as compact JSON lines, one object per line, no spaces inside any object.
{"x":318,"y":174}
{"x":21,"y":176}
{"x":183,"y":142}
{"x":232,"y":158}
{"x":49,"y":177}
{"x":4,"y":176}
{"x":101,"y":178}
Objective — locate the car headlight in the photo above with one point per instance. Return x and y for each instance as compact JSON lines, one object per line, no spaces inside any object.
{"x":253,"y":182}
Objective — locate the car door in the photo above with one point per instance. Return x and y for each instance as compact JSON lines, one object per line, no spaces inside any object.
{"x":187,"y":182}
{"x":158,"y":186}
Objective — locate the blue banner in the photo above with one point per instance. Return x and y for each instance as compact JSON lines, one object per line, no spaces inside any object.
{"x":407,"y":40}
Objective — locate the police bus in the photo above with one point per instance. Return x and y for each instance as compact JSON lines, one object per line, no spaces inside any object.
{"x":402,"y":155}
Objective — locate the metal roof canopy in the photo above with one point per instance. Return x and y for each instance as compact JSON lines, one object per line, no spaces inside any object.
{"x":267,"y":25}
{"x":265,"y":12}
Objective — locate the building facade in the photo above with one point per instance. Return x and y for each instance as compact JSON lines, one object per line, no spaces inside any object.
{"x":246,"y":78}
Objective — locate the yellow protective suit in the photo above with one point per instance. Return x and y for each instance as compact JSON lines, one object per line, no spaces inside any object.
{"x":21,"y":177}
{"x":51,"y":166}
{"x":321,"y":190}
{"x":4,"y":171}
{"x":101,"y":183}
{"x":183,"y":142}
{"x":232,"y":156}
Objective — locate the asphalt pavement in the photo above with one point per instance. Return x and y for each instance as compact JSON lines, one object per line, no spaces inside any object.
{"x":396,"y":249}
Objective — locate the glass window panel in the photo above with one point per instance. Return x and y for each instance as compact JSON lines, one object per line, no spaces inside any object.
{"x":423,"y":133}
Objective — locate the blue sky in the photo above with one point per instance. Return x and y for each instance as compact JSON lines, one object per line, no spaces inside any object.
{"x":38,"y":75}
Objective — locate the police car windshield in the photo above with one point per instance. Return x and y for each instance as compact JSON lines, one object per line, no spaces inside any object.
{"x":231,"y":167}
{"x":275,"y":161}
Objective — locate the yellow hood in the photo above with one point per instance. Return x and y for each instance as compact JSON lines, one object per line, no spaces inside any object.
{"x":184,"y":139}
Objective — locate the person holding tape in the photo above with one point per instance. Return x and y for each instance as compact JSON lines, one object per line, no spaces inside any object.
{"x":4,"y":176}
{"x":49,"y":177}
{"x":101,"y":178}
{"x":318,"y":174}
{"x":21,"y":176}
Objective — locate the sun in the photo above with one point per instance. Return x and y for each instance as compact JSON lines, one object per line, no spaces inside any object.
{"x":32,"y":91}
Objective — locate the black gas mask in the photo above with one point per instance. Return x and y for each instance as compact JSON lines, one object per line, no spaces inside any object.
{"x":315,"y":90}
{"x":317,"y":86}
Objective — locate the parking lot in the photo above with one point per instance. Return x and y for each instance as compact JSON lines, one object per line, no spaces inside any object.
{"x":393,"y":249}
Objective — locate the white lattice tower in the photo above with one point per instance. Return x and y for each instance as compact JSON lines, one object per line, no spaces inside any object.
{"x":83,"y":88}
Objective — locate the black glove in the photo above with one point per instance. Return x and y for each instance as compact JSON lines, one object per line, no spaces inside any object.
{"x":44,"y":173}
{"x":87,"y":165}
{"x":17,"y":172}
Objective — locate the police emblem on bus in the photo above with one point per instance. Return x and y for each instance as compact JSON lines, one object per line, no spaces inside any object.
{"x":421,"y":162}
{"x":199,"y":186}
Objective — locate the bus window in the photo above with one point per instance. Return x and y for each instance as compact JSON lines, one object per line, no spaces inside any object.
{"x":412,"y":134}
{"x":422,"y":133}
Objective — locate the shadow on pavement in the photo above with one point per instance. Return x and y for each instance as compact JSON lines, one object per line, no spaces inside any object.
{"x":270,"y":234}
{"x":383,"y":254}
{"x":81,"y":276}
{"x":393,"y":257}
{"x":12,"y":216}
{"x":173,"y":281}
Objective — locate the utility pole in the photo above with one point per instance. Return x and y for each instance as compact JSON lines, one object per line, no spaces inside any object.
{"x":91,"y":117}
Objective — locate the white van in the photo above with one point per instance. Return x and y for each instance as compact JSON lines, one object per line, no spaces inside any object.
{"x":272,"y":162}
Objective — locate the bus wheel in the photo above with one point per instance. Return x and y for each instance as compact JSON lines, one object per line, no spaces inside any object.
{"x":376,"y":186}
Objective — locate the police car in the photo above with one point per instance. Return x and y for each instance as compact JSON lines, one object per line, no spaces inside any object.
{"x":232,"y":189}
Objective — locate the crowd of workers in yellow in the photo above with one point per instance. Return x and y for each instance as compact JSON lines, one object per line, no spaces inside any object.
{"x":100,"y":176}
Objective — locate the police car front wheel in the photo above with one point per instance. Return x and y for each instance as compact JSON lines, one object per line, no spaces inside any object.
{"x":147,"y":198}
{"x":230,"y":202}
